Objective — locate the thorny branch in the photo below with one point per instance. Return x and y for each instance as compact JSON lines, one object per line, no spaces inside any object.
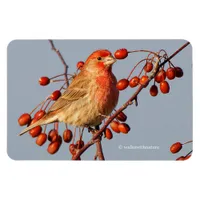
{"x":125,"y":105}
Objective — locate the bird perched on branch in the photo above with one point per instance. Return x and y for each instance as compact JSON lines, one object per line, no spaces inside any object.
{"x":90,"y":97}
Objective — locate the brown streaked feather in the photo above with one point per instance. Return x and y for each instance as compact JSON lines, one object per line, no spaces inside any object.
{"x":76,"y":90}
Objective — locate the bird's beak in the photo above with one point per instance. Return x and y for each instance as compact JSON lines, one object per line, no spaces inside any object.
{"x":109,"y":60}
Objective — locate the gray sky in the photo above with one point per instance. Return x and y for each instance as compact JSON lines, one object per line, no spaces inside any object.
{"x":157,"y":121}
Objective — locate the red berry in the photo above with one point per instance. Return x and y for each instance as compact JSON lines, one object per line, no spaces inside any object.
{"x":171,"y":73}
{"x":176,"y":147}
{"x":181,"y":158}
{"x":60,"y":139}
{"x":72,"y":149}
{"x":80,"y":64}
{"x":144,"y":80}
{"x":121,"y":117}
{"x":114,"y":126}
{"x":33,"y":121}
{"x":55,"y":138}
{"x":154,"y":90}
{"x":53,"y":147}
{"x":122,"y":84}
{"x":55,"y":95}
{"x":44,"y":81}
{"x":124,"y":128}
{"x":134,"y":82}
{"x":164,"y":87}
{"x":179,"y":72}
{"x":148,"y":67}
{"x":39,"y":114}
{"x":67,"y":135}
{"x":160,"y":76}
{"x":80,"y":144}
{"x":52,"y":133}
{"x":24,"y":119}
{"x":121,"y":53}
{"x":41,"y":139}
{"x":108,"y":134}
{"x":187,"y":157}
{"x":34,"y":132}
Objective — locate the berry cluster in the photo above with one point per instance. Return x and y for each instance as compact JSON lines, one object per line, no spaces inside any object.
{"x":41,"y":135}
{"x":73,"y":148}
{"x":53,"y":136}
{"x":151,"y":64}
{"x":117,"y":126}
{"x":176,"y":147}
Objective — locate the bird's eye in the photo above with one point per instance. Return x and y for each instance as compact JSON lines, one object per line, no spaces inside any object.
{"x":99,"y":58}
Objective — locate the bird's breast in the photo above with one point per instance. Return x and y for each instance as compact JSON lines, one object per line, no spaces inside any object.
{"x":106,"y":95}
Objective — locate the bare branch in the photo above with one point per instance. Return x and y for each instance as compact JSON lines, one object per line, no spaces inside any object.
{"x":62,"y":60}
{"x":99,"y":152}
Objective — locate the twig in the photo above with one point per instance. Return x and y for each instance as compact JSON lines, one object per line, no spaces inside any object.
{"x":188,"y":142}
{"x":124,"y":106}
{"x":136,"y":66}
{"x":143,"y":50}
{"x":84,"y":148}
{"x":188,"y":153}
{"x":99,"y":151}
{"x":41,"y":103}
{"x":62,"y":60}
{"x":95,"y":157}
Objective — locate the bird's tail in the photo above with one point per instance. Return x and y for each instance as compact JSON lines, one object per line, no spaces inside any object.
{"x":47,"y":119}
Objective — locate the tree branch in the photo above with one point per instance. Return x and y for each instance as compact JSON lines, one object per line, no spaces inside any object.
{"x":125,"y":105}
{"x":99,"y":150}
{"x":62,"y":60}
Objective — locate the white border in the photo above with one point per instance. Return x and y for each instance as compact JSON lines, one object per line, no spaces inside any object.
{"x":98,"y":20}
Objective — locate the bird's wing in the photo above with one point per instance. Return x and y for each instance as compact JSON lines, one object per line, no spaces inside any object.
{"x":76,"y":90}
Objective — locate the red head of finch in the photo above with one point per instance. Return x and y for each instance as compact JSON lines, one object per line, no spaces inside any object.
{"x":90,"y":97}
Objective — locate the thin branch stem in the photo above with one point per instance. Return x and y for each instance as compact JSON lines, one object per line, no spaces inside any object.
{"x":56,"y":125}
{"x":62,"y":60}
{"x":45,"y":128}
{"x":188,"y":153}
{"x":48,"y":104}
{"x":63,"y":86}
{"x":58,"y":80}
{"x":162,"y":50}
{"x":188,"y":142}
{"x":145,"y":59}
{"x":57,"y":76}
{"x":41,"y":103}
{"x":143,"y":50}
{"x":74,"y":135}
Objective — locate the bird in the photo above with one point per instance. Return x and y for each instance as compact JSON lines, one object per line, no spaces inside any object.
{"x":91,"y":96}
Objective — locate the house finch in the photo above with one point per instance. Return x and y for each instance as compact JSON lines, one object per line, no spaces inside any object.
{"x":90,"y":97}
